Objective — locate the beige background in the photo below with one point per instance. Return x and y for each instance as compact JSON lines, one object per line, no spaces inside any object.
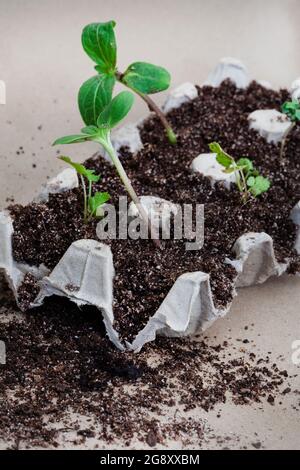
{"x":43,"y":65}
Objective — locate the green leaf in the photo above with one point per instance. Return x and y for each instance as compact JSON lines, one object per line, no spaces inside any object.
{"x":78,"y":166}
{"x":222,"y":157}
{"x":261,"y":185}
{"x":224,"y":160}
{"x":90,"y":130}
{"x":245,"y":164}
{"x":81,"y":170}
{"x":94,"y":95}
{"x":99,"y":42}
{"x":251,"y":181}
{"x":292,"y":110}
{"x":90,"y":176}
{"x":72,"y":139}
{"x":117,"y":109}
{"x":215,"y":147}
{"x":146,"y":78}
{"x":97,"y":200}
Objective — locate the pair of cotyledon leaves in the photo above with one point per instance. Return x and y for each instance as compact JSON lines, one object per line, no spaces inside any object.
{"x":256,"y":183}
{"x":99,"y":42}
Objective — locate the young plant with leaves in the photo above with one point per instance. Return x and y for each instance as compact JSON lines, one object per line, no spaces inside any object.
{"x":91,"y":201}
{"x":292,"y":110}
{"x":247,"y":178}
{"x":111,"y":115}
{"x":99,"y":42}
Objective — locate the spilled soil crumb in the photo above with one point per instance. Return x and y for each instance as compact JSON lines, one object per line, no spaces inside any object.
{"x":61,"y":366}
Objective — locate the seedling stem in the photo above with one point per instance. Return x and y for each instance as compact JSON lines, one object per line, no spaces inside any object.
{"x":154,"y":108}
{"x":84,"y":198}
{"x":129,"y":188}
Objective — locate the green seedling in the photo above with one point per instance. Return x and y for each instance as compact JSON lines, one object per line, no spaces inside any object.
{"x":292,"y":110}
{"x":99,"y":42}
{"x":111,"y":115}
{"x":247,"y":178}
{"x":92,"y":202}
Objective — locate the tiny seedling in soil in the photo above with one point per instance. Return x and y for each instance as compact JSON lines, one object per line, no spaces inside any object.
{"x":111,"y":115}
{"x":92,"y":201}
{"x":292,"y":110}
{"x":247,"y":178}
{"x":99,"y":42}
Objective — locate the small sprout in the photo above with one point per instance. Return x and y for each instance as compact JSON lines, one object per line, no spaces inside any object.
{"x":258,"y":185}
{"x":248,"y":179}
{"x":246,"y":164}
{"x":99,"y":42}
{"x":222,"y":157}
{"x":92,"y":202}
{"x":110,"y":116}
{"x":292,"y":110}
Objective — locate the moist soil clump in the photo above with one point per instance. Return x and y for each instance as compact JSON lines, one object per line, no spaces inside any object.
{"x":60,"y":366}
{"x":144,"y":274}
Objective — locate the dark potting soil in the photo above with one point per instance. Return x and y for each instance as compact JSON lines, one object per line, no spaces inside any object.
{"x":144,"y":275}
{"x":59,"y":362}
